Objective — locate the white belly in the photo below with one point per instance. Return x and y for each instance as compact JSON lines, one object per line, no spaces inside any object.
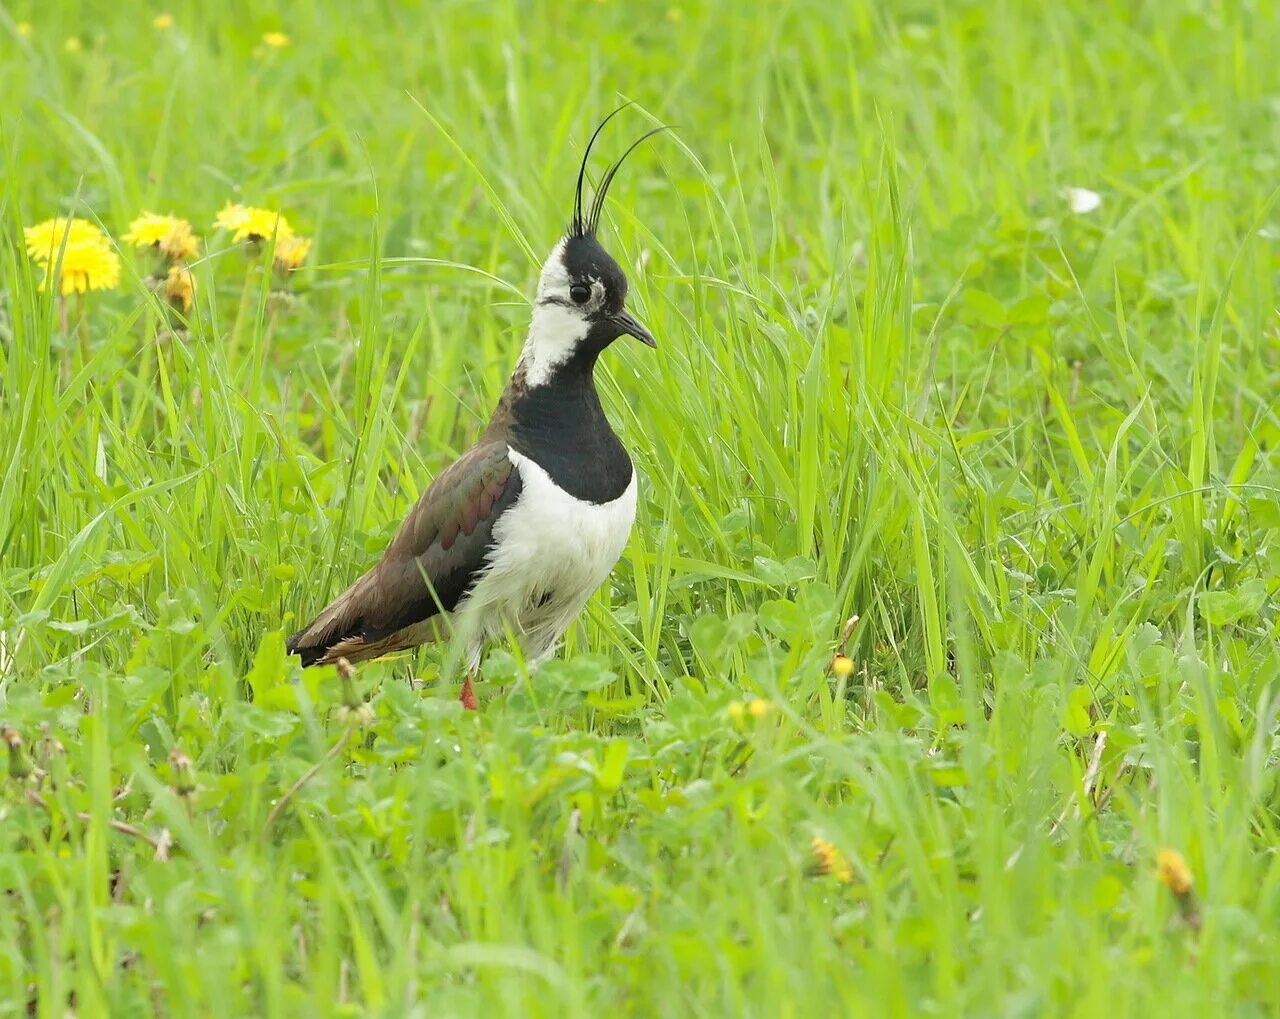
{"x":551,"y":553}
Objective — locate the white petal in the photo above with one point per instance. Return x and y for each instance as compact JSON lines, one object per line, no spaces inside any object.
{"x":1081,"y":200}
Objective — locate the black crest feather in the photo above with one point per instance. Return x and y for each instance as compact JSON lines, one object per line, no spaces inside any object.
{"x":579,"y":225}
{"x":583,"y":226}
{"x":598,"y":204}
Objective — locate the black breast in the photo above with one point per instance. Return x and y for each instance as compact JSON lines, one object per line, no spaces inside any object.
{"x":561,"y":427}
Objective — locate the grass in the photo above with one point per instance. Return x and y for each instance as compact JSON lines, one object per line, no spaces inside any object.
{"x":1034,"y":451}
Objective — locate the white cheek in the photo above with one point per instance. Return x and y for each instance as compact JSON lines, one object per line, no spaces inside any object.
{"x":553,"y":334}
{"x":554,"y":281}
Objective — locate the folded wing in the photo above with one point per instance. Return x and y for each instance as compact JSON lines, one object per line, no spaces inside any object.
{"x":438,"y":554}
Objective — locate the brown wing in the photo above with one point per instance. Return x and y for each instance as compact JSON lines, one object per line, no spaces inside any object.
{"x":435,"y":557}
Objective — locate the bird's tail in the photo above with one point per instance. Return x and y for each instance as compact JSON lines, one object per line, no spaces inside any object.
{"x":311,"y":654}
{"x":355,"y":626}
{"x":337,"y":632}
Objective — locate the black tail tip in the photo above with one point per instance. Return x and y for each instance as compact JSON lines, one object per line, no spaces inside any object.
{"x":310,"y":655}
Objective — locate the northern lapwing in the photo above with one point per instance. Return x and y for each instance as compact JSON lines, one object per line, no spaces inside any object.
{"x":519,"y":532}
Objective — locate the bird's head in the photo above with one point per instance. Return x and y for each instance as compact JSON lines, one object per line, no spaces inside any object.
{"x":581,"y":303}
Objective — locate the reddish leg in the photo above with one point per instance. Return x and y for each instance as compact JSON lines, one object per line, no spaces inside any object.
{"x":468,"y":696}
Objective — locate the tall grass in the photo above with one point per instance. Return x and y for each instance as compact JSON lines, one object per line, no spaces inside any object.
{"x":1033,"y":451}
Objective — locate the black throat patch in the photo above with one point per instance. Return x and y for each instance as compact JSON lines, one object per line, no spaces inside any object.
{"x":561,"y":427}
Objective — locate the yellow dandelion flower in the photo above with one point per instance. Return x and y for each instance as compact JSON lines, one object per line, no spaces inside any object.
{"x":248,"y":223}
{"x":180,"y":246}
{"x":827,"y":859}
{"x":276,"y":40}
{"x":24,"y":29}
{"x":180,"y":288}
{"x":1173,"y":872}
{"x":162,"y":21}
{"x":758,"y":708}
{"x":261,"y":224}
{"x":45,"y":240}
{"x":842,"y":666}
{"x":736,"y":710}
{"x":230,"y":216}
{"x":73,"y":45}
{"x":290,"y":251}
{"x":91,"y":265}
{"x":78,"y":250}
{"x":171,"y":234}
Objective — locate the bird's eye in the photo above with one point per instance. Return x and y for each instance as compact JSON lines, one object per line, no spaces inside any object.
{"x":580,"y":292}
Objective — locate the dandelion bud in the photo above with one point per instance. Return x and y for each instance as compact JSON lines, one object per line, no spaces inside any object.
{"x":21,"y":766}
{"x":290,"y":251}
{"x":358,"y":717}
{"x":827,"y":859}
{"x":353,"y":710}
{"x":184,"y":776}
{"x":179,"y":288}
{"x":1173,"y":872}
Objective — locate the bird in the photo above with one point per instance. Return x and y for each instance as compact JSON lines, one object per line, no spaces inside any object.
{"x":518,"y":533}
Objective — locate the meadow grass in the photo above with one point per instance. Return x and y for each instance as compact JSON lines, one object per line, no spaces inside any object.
{"x":1032,"y":450}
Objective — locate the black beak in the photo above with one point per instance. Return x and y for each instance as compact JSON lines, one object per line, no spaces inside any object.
{"x":627,"y":323}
